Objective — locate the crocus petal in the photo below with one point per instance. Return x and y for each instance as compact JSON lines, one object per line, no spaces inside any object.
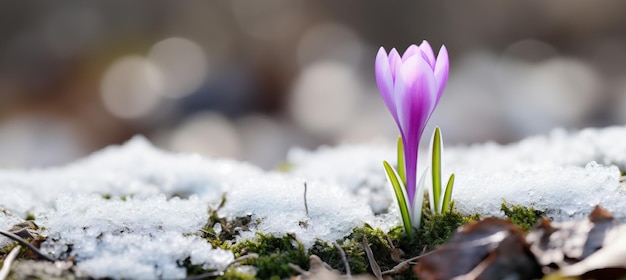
{"x":441,"y":71}
{"x":384,"y":81}
{"x":411,"y":51}
{"x":428,"y":51}
{"x":402,"y":98}
{"x":414,"y":94}
{"x":394,"y":61}
{"x":424,"y":90}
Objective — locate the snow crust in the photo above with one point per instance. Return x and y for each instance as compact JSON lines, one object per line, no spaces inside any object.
{"x":160,"y":200}
{"x":166,"y":201}
{"x":565,"y":174}
{"x":136,"y":238}
{"x":355,"y":167}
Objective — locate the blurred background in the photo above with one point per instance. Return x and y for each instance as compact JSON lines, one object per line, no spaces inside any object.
{"x":250,"y":79}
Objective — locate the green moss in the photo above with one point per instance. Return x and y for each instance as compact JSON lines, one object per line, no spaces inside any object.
{"x":229,"y":228}
{"x":274,"y":255}
{"x":331,"y":255}
{"x":355,"y":252}
{"x":6,"y":249}
{"x":232,"y":274}
{"x":434,"y":231}
{"x":524,"y":217}
{"x":285,"y":167}
{"x":30,"y":216}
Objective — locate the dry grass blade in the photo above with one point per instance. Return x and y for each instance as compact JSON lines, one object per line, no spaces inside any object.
{"x":345,"y":260}
{"x":6,"y":266}
{"x":306,"y":206}
{"x":25,"y":243}
{"x":372,"y":261}
{"x":404,"y":265}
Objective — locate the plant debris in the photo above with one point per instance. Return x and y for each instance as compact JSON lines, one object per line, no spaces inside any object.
{"x":489,"y":249}
{"x":494,"y":248}
{"x":594,"y":248}
{"x":319,"y":271}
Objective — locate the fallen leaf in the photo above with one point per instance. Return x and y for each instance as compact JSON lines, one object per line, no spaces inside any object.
{"x":491,"y":249}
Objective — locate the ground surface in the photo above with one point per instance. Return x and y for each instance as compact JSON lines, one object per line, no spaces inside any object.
{"x":135,"y":211}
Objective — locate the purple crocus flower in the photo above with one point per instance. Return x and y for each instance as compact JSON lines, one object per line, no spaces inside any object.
{"x":411,"y":87}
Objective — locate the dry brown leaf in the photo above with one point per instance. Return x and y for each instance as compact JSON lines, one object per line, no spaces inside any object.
{"x":492,"y":249}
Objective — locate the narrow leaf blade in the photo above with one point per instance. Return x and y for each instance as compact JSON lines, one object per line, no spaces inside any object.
{"x":401,"y":197}
{"x":435,"y":150}
{"x":447,"y":197}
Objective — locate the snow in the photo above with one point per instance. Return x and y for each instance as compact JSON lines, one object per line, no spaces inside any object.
{"x":166,"y":197}
{"x":110,"y":236}
{"x":564,"y":174}
{"x":356,"y":167}
{"x":276,"y":205}
{"x":159,"y":201}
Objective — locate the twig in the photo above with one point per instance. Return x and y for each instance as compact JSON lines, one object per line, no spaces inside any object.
{"x":23,"y":242}
{"x":372,"y":261}
{"x":6,"y":266}
{"x":345,"y":260}
{"x":306,"y":207}
{"x":404,"y":264}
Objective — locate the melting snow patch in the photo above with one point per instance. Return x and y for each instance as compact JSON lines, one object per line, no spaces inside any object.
{"x":355,"y":167}
{"x":564,"y":174}
{"x":150,"y":232}
{"x":276,"y":205}
{"x":136,"y":238}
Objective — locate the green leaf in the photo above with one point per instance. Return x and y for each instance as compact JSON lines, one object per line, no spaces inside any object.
{"x":447,"y":197}
{"x":401,"y":165}
{"x":401,"y":196}
{"x":435,"y":150}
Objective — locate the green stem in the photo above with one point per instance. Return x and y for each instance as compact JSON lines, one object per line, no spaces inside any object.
{"x":401,"y":166}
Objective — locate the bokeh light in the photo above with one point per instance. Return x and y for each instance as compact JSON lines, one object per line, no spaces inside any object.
{"x":325,"y":97}
{"x":264,"y":140}
{"x":284,"y":73}
{"x":38,"y":141}
{"x":182,"y":63}
{"x":206,"y":133}
{"x":132,"y":87}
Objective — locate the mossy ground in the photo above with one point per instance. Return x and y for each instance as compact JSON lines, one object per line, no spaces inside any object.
{"x":389,"y":248}
{"x":276,"y":252}
{"x":524,"y":217}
